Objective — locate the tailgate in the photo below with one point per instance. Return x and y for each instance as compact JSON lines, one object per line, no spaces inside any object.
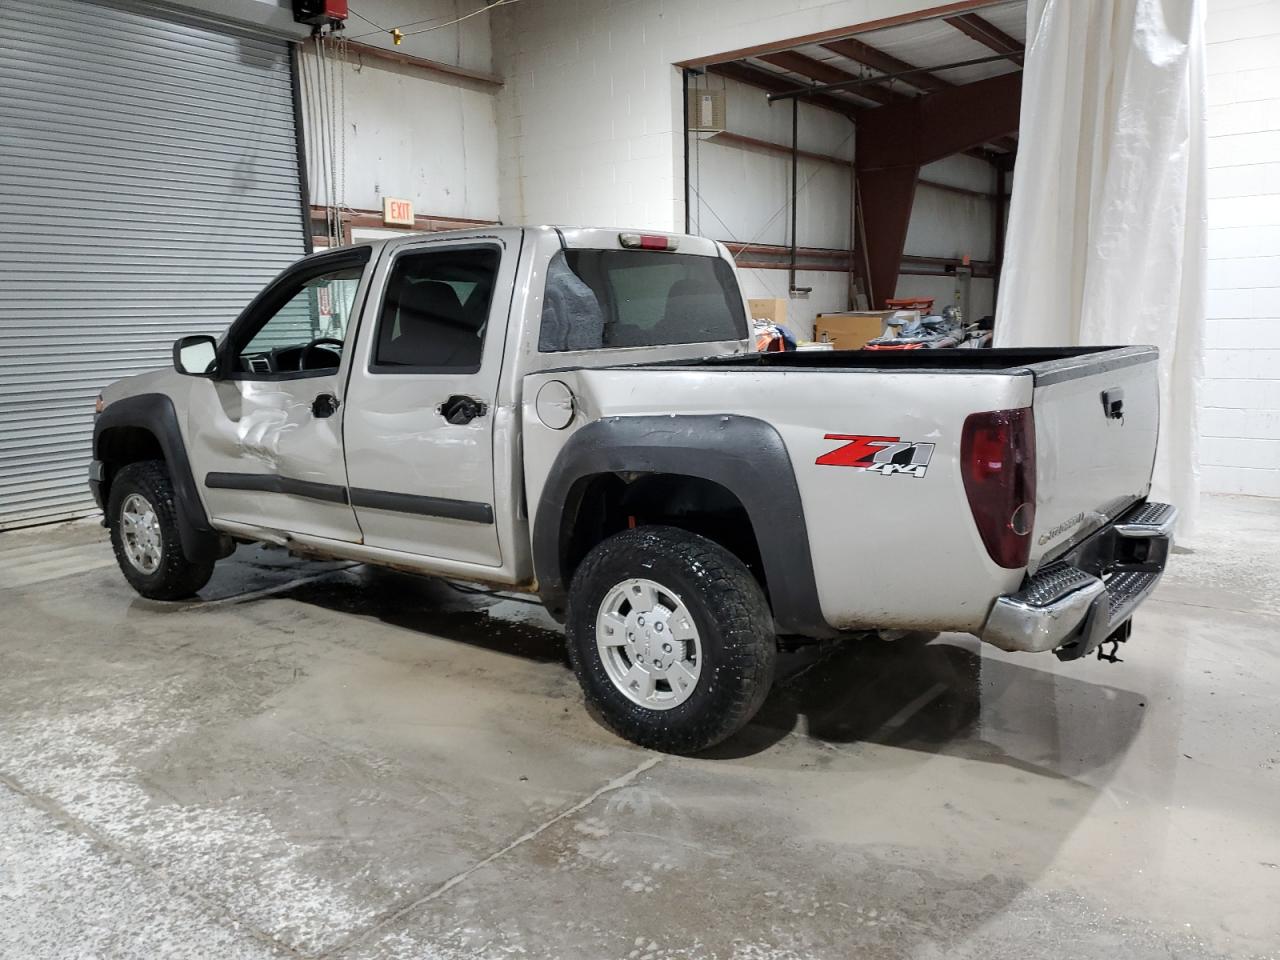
{"x":1096,"y":416}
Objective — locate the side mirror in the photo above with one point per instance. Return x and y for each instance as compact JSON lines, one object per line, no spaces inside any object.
{"x":196,"y":356}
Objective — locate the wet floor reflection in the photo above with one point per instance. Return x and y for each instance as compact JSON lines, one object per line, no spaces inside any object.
{"x":938,"y":695}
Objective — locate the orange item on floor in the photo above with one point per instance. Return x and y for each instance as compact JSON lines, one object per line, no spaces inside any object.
{"x":890,"y":345}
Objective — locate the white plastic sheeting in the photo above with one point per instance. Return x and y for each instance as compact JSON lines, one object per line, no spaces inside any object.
{"x":1106,"y":239}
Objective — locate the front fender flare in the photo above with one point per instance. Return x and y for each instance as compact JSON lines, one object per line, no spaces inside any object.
{"x":155,"y":413}
{"x":744,"y":455}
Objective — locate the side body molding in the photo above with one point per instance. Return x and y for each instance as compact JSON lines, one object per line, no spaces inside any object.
{"x":743,"y":454}
{"x":154,"y":412}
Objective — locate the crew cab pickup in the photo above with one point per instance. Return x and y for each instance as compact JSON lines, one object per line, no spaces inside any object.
{"x":578,"y":414}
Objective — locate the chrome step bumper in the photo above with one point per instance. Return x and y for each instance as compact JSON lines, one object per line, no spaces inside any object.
{"x":1077,"y":602}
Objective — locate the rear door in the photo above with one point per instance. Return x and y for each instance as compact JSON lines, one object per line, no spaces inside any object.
{"x":420,"y":415}
{"x":1097,"y":416}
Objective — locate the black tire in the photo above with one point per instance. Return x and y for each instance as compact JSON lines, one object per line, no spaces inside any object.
{"x":732,"y":617}
{"x":175,"y":577}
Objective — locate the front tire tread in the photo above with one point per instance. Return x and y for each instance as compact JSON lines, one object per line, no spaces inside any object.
{"x":177,"y":577}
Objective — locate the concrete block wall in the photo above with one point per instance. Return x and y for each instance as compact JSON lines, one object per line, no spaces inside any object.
{"x":1240,"y":401}
{"x":947,"y":224}
{"x":743,"y":193}
{"x":410,"y":133}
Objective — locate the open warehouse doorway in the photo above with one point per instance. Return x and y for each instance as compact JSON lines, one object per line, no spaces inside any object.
{"x":849,"y":168}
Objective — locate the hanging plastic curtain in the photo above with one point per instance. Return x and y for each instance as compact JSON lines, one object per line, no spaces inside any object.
{"x":1106,"y":237}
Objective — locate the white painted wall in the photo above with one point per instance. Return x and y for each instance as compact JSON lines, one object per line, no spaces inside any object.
{"x":743,"y":194}
{"x":947,"y":224}
{"x":1240,"y":403}
{"x":829,"y":294}
{"x":590,"y":118}
{"x":590,"y":115}
{"x":467,"y":44}
{"x":408,"y":133}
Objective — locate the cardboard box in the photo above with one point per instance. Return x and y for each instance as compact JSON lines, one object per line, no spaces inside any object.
{"x":850,"y":331}
{"x":772,"y":309}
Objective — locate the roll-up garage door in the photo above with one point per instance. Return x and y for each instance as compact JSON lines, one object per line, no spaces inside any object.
{"x":148,"y":188}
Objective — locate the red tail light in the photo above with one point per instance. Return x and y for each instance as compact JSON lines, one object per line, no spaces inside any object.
{"x":998,"y":461}
{"x":648,"y":241}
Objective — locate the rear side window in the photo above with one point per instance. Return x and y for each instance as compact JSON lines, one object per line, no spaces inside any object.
{"x":637,"y":298}
{"x":435,"y":311}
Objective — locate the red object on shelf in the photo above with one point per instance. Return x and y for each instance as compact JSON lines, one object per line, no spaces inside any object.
{"x":911,"y":303}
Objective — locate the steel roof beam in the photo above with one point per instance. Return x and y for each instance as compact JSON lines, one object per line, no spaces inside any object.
{"x":822,"y":72}
{"x":989,"y":35}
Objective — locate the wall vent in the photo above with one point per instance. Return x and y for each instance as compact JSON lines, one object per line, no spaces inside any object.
{"x":706,"y":111}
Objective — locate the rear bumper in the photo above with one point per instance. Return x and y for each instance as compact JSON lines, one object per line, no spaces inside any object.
{"x":1080,"y":600}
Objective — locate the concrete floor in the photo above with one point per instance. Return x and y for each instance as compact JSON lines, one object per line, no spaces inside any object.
{"x":321,"y":760}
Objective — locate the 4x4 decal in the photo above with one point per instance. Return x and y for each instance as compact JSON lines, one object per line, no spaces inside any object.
{"x":884,"y":455}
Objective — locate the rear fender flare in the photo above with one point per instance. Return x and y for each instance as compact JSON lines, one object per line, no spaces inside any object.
{"x":744,"y":455}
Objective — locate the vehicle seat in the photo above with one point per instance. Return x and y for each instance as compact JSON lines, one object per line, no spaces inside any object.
{"x":431,"y":328}
{"x":687,"y":303}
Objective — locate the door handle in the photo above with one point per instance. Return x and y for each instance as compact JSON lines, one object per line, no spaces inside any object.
{"x":460,"y":409}
{"x":324,"y":405}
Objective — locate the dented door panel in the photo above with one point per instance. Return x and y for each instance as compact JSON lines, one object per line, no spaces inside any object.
{"x":289,"y":462}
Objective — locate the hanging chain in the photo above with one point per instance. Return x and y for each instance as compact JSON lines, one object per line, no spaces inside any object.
{"x":332,"y":121}
{"x":343,"y":61}
{"x":323,"y":134}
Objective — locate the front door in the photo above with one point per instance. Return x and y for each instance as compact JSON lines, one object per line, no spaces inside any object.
{"x":265,"y":438}
{"x":420,"y":416}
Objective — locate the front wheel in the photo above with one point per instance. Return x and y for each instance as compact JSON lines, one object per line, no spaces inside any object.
{"x":144,"y":534}
{"x":671,"y":638}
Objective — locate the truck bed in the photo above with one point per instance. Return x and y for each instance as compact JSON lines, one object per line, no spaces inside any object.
{"x":1038,"y":360}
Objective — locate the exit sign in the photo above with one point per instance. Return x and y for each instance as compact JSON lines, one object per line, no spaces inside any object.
{"x":397,"y":213}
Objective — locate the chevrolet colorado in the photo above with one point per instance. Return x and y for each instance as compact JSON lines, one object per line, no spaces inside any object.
{"x":577,"y":413}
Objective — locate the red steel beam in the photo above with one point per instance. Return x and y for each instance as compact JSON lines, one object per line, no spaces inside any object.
{"x":989,"y":35}
{"x":790,"y":43}
{"x":827,"y":73}
{"x":764,"y":80}
{"x":869,"y":56}
{"x":886,"y":196}
{"x":422,"y":63}
{"x":894,"y":142}
{"x":738,"y":139}
{"x":926,"y":129}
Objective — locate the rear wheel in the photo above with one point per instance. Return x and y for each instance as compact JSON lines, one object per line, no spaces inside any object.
{"x":144,"y":534}
{"x":671,"y":638}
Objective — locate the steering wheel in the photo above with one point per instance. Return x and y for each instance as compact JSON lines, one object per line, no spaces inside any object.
{"x":305,"y":355}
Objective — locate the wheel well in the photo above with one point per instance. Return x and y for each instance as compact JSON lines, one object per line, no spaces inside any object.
{"x":120,"y":446}
{"x":604,"y":504}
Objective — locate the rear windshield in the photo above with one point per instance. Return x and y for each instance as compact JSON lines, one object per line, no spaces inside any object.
{"x":638,"y":298}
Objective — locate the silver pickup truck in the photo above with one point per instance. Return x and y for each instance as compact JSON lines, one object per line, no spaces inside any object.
{"x":578,"y":413}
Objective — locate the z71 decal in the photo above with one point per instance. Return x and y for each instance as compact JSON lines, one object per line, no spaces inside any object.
{"x":883,"y":455}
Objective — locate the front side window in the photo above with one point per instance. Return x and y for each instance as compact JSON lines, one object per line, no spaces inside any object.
{"x":638,"y":298}
{"x":436,"y":310}
{"x":308,"y":326}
